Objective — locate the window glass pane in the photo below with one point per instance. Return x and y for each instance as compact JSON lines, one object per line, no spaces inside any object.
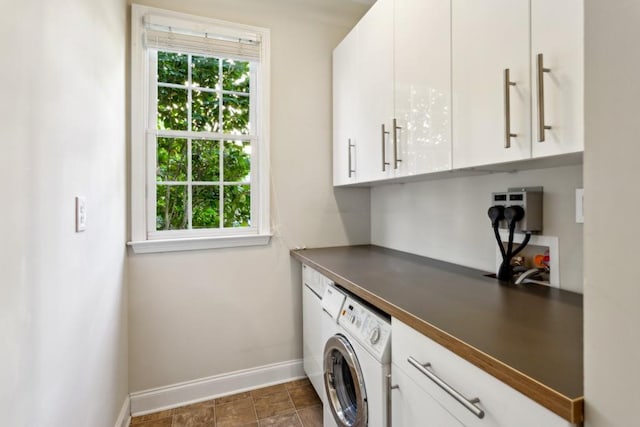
{"x":205,"y":156}
{"x":171,"y":202}
{"x":172,"y":108}
{"x":205,"y":72}
{"x":172,"y":68}
{"x":237,"y":161}
{"x":172,"y":159}
{"x":235,"y":114}
{"x":237,"y":205}
{"x":206,"y":202}
{"x":205,"y":112}
{"x":235,"y":75}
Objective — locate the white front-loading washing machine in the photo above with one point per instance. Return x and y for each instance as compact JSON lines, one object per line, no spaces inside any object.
{"x":356,"y":363}
{"x":332,"y":302}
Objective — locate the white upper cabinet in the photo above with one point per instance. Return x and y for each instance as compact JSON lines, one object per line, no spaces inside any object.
{"x":497,"y":121}
{"x":424,"y":86}
{"x":363,"y":98}
{"x":557,"y":33}
{"x":422,"y":49}
{"x":400,"y":74}
{"x":374,"y":78}
{"x":345,"y":106}
{"x":489,"y":37}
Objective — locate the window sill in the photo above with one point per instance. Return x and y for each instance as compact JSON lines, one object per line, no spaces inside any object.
{"x":198,"y":243}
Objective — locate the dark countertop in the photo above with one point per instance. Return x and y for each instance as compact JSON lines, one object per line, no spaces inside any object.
{"x":529,"y":337}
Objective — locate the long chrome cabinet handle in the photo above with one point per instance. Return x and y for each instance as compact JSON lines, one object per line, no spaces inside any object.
{"x":351,"y":171}
{"x":384,"y":154}
{"x":541,"y":70}
{"x":396,"y":128}
{"x":507,"y":110}
{"x":389,"y":402}
{"x":467,"y":403}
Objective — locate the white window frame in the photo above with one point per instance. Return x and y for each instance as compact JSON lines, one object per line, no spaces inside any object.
{"x":144,"y":238}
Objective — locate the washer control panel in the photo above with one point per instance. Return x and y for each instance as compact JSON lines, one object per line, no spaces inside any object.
{"x":371,"y":330}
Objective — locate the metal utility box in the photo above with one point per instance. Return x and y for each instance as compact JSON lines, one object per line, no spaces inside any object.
{"x":530,"y":199}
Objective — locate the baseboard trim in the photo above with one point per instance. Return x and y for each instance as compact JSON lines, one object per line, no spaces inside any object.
{"x":172,"y":396}
{"x":124,"y":417}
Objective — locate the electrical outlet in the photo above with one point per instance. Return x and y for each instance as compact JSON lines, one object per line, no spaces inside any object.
{"x":81,"y":214}
{"x":580,"y":205}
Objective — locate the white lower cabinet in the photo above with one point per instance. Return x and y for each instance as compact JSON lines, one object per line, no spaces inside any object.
{"x":501,"y":405}
{"x":412,"y":406}
{"x":313,"y":284}
{"x":312,"y":316}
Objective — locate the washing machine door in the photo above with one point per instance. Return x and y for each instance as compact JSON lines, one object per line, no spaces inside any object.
{"x":344,"y":384}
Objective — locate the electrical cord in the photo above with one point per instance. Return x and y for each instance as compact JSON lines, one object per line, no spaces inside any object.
{"x":499,"y":240}
{"x":525,"y":241}
{"x":512,"y":215}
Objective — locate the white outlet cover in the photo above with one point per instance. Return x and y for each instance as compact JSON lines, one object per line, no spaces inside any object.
{"x":550,"y":242}
{"x":81,"y":214}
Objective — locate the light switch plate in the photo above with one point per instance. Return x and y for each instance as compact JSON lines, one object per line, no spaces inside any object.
{"x":580,"y":205}
{"x":81,"y":214}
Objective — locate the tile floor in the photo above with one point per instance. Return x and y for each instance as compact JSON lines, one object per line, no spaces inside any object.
{"x":292,"y":404}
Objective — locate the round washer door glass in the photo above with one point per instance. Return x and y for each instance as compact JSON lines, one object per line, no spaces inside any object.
{"x":344,"y":384}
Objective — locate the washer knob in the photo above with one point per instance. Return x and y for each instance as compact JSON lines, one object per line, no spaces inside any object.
{"x":374,"y":335}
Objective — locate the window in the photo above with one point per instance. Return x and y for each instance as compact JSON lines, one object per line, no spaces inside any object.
{"x":199,"y":132}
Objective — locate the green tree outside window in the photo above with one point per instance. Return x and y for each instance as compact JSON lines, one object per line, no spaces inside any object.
{"x":203,"y":183}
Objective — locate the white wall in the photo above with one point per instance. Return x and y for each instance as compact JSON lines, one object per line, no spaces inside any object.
{"x":612,"y":284}
{"x":447,"y":219}
{"x":202,"y":313}
{"x":63,"y":316}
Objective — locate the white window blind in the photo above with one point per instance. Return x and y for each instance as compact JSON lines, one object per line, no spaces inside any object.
{"x":244,"y":47}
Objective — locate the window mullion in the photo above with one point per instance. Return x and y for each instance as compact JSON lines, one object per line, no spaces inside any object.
{"x":221,"y":144}
{"x":189,"y":140}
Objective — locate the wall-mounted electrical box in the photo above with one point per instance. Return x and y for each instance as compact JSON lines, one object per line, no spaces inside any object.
{"x":530,"y":199}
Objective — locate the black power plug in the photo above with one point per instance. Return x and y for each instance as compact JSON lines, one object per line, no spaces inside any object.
{"x":496,"y":214}
{"x":513,"y":214}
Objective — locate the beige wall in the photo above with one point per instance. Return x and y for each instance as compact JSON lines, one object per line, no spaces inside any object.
{"x":447,"y":219}
{"x":63,"y":314}
{"x":201,"y":313}
{"x":612,"y":284}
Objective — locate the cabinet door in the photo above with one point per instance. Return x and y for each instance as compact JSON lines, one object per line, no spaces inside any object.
{"x":488,"y":37}
{"x":345,"y":99}
{"x":503,"y":406}
{"x":423,"y":85}
{"x":312,"y":337}
{"x":375,"y":90}
{"x":411,"y":406}
{"x":557,"y":32}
